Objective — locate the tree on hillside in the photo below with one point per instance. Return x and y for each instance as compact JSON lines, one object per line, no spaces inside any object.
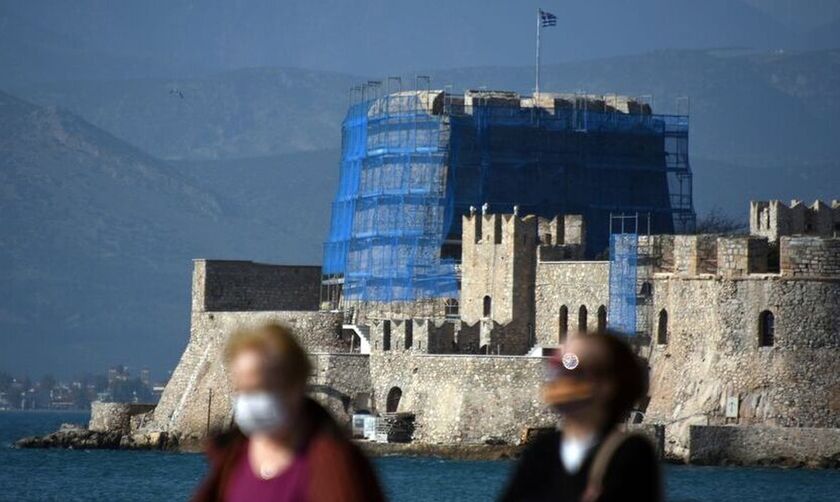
{"x":718,"y":222}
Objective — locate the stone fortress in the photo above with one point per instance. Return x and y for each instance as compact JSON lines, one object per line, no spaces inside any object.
{"x":467,"y":240}
{"x":741,"y":334}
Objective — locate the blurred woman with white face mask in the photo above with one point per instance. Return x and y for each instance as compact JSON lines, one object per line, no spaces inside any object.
{"x":592,"y":384}
{"x":284,"y":446}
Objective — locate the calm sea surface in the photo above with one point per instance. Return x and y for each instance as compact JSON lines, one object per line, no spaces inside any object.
{"x":128,"y":476}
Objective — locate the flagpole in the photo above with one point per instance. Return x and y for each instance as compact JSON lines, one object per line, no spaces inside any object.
{"x":537,"y":87}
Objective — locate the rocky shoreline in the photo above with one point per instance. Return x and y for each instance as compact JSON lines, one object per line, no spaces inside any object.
{"x":76,"y":437}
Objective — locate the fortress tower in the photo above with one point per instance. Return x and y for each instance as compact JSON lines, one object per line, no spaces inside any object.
{"x":497,"y":280}
{"x":413,"y":162}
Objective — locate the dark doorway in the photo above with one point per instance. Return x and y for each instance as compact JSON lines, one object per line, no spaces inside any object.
{"x":393,"y":401}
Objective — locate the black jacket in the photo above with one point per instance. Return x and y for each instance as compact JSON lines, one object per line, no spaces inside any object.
{"x":632,"y":474}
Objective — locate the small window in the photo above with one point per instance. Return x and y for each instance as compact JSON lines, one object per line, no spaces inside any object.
{"x":647,"y":289}
{"x":386,"y":335}
{"x":488,"y":304}
{"x":451,"y":308}
{"x":662,"y":328}
{"x":602,"y":319}
{"x":766,"y":329}
{"x":409,"y":334}
{"x":563,"y":323}
{"x":582,"y":313}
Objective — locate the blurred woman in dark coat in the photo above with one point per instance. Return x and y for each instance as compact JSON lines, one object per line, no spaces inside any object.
{"x":593,"y":383}
{"x":285,"y":447}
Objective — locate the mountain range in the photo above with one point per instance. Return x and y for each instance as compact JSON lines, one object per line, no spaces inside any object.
{"x":111,"y":186}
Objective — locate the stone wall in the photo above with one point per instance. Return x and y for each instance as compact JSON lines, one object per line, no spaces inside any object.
{"x":466,"y":399}
{"x":571,"y":284}
{"x":809,"y":257}
{"x":367,"y":312}
{"x":499,"y":251}
{"x":222,"y":285}
{"x":341,"y":382}
{"x":116,"y":417}
{"x":794,"y":446}
{"x":695,"y":254}
{"x":200,"y":379}
{"x":713,"y":354}
{"x":427,"y":336}
{"x":739,"y":256}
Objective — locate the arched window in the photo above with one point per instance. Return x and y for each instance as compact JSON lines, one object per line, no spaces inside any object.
{"x":386,"y":335}
{"x":488,"y":304}
{"x":392,"y":404}
{"x":766,"y":329}
{"x":662,"y":328}
{"x":602,"y":319}
{"x":646,"y":289}
{"x":582,"y":319}
{"x":563,"y":323}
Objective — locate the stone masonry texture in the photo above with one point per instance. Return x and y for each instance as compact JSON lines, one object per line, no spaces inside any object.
{"x":710,"y":291}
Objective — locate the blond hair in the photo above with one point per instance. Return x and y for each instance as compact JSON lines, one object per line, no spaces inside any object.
{"x":287,"y":358}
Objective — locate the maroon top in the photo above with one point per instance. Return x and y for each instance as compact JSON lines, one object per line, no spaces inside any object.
{"x":328,"y":468}
{"x":288,"y":486}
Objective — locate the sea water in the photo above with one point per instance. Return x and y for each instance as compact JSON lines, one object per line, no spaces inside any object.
{"x":158,"y":476}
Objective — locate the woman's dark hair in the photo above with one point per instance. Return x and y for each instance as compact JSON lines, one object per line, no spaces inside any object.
{"x":625,"y":369}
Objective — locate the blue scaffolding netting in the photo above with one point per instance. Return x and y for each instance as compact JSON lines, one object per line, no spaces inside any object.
{"x":391,"y":211}
{"x":413,"y":162}
{"x":623,"y":270}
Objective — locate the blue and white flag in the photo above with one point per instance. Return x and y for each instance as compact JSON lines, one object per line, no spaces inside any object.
{"x":547,"y":19}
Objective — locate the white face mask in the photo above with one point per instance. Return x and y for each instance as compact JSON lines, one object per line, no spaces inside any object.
{"x":259,"y":412}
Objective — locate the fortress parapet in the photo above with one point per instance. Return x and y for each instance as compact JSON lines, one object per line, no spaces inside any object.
{"x":561,"y":238}
{"x":245,"y":286}
{"x":773,"y":219}
{"x":423,"y":336}
{"x":740,"y":256}
{"x":695,"y":254}
{"x":811,"y":257}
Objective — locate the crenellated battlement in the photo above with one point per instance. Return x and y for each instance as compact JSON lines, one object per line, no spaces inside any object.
{"x":809,"y":257}
{"x":741,"y":256}
{"x":424,"y":336}
{"x":774,"y":219}
{"x":498,"y":228}
{"x":561,"y":238}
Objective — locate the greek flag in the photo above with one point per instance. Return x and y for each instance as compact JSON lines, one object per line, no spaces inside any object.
{"x":547,"y":19}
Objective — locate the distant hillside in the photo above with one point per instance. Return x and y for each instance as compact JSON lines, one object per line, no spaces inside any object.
{"x":761,"y":113}
{"x":246,"y":113}
{"x":97,"y":238}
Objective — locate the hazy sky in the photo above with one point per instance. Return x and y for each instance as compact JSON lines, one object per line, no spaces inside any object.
{"x":162,"y":37}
